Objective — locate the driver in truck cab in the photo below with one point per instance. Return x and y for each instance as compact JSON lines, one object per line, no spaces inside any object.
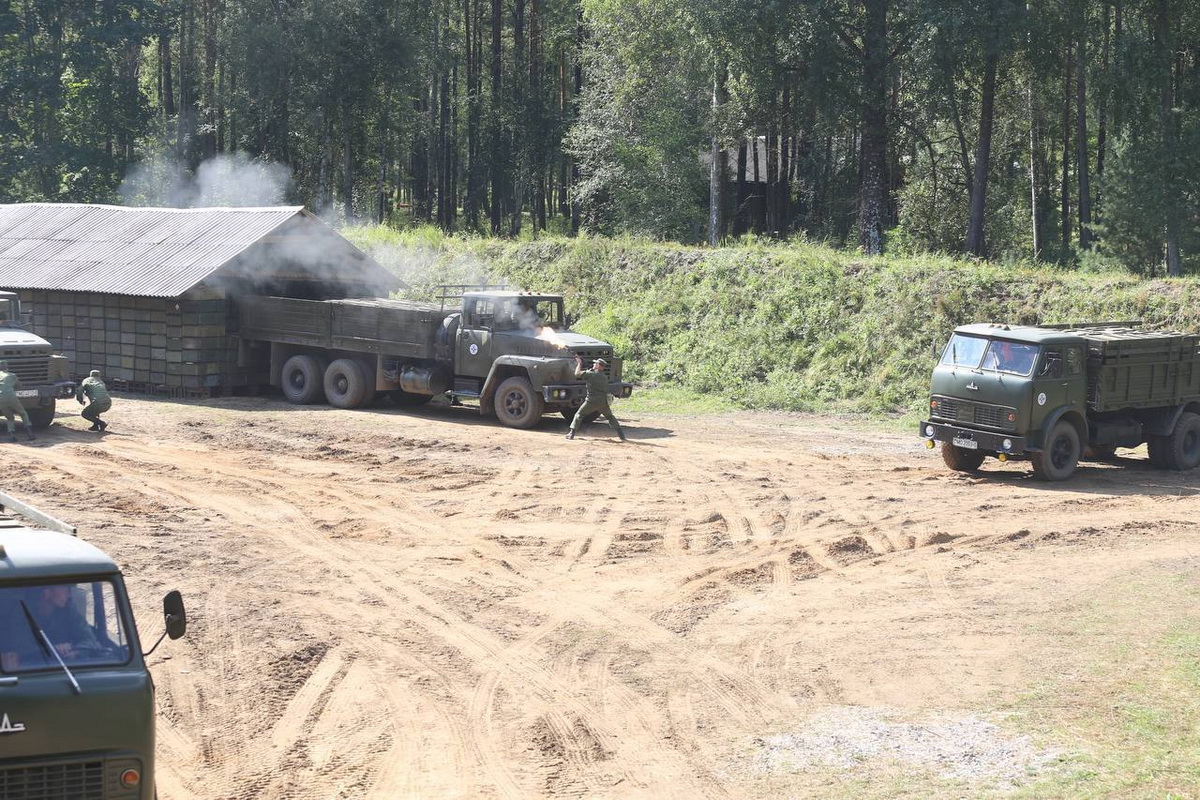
{"x":63,"y":623}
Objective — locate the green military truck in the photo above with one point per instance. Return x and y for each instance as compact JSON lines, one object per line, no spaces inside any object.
{"x":1057,"y":393}
{"x":512,"y":352}
{"x":45,"y":376}
{"x":76,"y":700}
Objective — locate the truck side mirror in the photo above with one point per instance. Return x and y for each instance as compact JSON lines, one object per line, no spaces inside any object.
{"x":176,"y":616}
{"x":569,"y":320}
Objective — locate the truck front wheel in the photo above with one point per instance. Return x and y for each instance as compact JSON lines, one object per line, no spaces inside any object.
{"x":1057,"y":461}
{"x":1183,"y":445}
{"x":301,"y":379}
{"x":41,"y":417}
{"x":345,"y":384}
{"x":517,"y":404}
{"x":961,"y":460}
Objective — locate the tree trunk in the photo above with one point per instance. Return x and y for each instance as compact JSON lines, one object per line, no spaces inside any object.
{"x":1081,"y":146}
{"x":872,"y":190}
{"x":496,"y":156}
{"x":1102,"y":116}
{"x":739,"y":213}
{"x":975,"y":243}
{"x":1166,"y":77}
{"x":208,"y":135}
{"x":1066,"y":157}
{"x":716,"y":166}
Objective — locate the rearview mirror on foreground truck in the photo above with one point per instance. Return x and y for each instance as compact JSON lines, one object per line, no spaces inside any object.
{"x":175,"y":617}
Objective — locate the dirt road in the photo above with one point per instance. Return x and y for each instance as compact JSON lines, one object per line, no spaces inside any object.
{"x":388,"y":603}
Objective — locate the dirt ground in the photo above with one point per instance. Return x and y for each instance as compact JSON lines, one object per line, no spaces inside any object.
{"x":394,"y":603}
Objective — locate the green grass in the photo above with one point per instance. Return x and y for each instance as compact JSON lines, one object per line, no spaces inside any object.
{"x":1131,"y":714}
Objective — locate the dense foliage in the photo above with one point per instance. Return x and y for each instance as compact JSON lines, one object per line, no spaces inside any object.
{"x":1059,"y":130}
{"x":785,"y":327}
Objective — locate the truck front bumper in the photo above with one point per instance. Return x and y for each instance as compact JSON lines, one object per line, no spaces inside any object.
{"x":572,"y":394}
{"x":972,"y":439}
{"x":37,"y":396}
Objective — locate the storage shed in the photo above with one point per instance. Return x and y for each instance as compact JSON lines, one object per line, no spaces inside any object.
{"x":148,"y":295}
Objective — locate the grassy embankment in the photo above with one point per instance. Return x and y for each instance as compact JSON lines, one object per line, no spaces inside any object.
{"x":787,"y":327}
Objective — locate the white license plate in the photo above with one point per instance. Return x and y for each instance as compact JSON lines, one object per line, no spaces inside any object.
{"x":27,"y":393}
{"x":965,"y":444}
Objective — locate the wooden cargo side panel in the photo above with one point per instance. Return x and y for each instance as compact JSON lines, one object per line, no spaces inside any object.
{"x":1148,"y":372}
{"x":283,"y":319}
{"x":384,"y":327}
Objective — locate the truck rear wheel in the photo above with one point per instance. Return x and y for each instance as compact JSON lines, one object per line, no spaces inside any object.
{"x":1183,"y":445}
{"x":961,"y":460}
{"x":41,"y":417}
{"x":1060,"y":456}
{"x":517,"y":404}
{"x":301,"y":379}
{"x":345,"y":383}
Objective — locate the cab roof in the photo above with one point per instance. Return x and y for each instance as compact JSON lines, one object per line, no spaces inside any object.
{"x":506,"y":293}
{"x":1030,"y":334}
{"x":29,"y":553}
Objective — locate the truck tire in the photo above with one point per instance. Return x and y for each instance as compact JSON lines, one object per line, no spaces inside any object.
{"x":517,"y":404}
{"x":345,"y":383}
{"x":961,"y":460}
{"x":1183,"y":445}
{"x":1057,"y":461}
{"x":301,"y":379}
{"x":41,"y":417}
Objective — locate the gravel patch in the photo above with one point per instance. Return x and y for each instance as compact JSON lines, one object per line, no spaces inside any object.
{"x":957,"y":748}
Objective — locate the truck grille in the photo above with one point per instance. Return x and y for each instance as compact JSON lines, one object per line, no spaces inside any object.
{"x":31,"y":371}
{"x":82,"y":780}
{"x":967,"y":412}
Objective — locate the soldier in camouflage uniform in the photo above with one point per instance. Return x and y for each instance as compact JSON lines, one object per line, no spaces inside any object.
{"x":10,"y":404}
{"x":98,"y":400}
{"x":596,"y":399}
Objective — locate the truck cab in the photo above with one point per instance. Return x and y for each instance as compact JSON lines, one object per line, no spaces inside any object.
{"x":45,"y":376}
{"x":76,"y":700}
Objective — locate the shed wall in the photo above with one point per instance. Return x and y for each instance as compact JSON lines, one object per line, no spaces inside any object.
{"x":180,"y":346}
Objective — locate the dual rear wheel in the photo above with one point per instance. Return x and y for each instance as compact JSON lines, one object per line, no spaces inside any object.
{"x":344,"y":383}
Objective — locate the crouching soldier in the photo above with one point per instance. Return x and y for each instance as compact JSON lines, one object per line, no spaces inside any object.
{"x":10,"y":404}
{"x":98,"y":400}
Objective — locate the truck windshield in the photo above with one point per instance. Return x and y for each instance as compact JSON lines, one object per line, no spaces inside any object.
{"x":1016,"y":358}
{"x":82,"y":621}
{"x":964,"y":351}
{"x":529,"y":313}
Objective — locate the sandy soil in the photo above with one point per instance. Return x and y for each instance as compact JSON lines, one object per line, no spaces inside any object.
{"x":391,"y":603}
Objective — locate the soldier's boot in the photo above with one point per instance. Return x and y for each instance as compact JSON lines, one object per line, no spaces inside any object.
{"x":102,"y":424}
{"x":95,"y":426}
{"x":29,"y":433}
{"x":621,"y":436}
{"x":571,"y":434}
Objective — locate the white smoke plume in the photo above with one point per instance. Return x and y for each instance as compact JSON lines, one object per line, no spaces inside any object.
{"x":229,"y":180}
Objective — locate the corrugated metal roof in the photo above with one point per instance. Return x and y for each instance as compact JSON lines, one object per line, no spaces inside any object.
{"x":144,"y":252}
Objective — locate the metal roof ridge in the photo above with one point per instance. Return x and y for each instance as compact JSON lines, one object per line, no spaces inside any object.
{"x":196,"y":209}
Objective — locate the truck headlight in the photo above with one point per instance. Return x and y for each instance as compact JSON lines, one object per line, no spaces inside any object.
{"x":1006,"y":444}
{"x":929,"y":431}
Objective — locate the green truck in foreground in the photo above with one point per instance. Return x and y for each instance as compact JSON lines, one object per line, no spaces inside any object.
{"x":45,"y":375}
{"x":76,"y":699}
{"x":512,"y":352}
{"x":1055,"y":394}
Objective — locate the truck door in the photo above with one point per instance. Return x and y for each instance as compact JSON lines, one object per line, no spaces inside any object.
{"x":474,"y":356}
{"x":1058,"y":380}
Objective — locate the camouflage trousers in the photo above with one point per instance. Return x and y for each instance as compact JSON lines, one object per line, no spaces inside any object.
{"x":11,"y":408}
{"x":594,"y":410}
{"x":92,"y":411}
